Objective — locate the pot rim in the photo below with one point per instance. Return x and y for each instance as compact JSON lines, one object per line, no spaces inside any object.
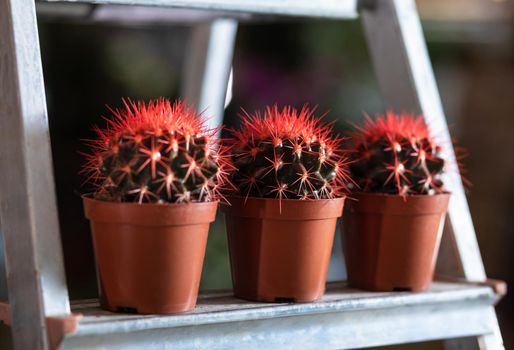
{"x":88,"y":196}
{"x":287,"y":209}
{"x":284,"y":199}
{"x":384,"y":203}
{"x":380,"y":194}
{"x":149,"y":214}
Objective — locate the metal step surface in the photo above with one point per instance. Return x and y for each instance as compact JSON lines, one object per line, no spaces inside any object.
{"x":131,"y":16}
{"x":298,"y":8}
{"x":343,"y":319}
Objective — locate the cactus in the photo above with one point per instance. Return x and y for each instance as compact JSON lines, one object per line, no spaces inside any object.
{"x":395,"y":154}
{"x":156,"y":153}
{"x":287,"y":154}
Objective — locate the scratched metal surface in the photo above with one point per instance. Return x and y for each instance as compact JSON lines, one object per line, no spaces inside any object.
{"x":217,"y":307}
{"x":344,"y":319}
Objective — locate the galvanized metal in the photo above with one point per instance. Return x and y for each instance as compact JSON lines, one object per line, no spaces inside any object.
{"x":28,"y":212}
{"x":303,"y":8}
{"x":343,"y":319}
{"x":208,"y":67}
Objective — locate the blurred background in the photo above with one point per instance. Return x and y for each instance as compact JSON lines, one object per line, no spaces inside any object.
{"x":324,"y":63}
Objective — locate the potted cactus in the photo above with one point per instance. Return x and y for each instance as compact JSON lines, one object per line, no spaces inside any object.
{"x":157,"y":173}
{"x":394,"y":227}
{"x":291,"y":176}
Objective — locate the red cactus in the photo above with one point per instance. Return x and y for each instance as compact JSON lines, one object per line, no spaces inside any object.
{"x":288,"y":154}
{"x":396,"y":154}
{"x":157,"y":152}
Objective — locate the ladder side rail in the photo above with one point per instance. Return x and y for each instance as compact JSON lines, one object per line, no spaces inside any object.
{"x":28,"y":210}
{"x":3,"y":274}
{"x":206,"y":80}
{"x":405,"y":75}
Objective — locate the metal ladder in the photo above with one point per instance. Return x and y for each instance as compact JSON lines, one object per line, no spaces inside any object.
{"x":39,"y":312}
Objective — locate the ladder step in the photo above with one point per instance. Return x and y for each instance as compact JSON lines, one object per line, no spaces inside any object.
{"x":344,"y":319}
{"x":302,"y":8}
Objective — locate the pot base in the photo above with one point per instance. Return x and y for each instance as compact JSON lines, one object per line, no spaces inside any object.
{"x":277,"y":299}
{"x":148,"y":310}
{"x":376,"y":287}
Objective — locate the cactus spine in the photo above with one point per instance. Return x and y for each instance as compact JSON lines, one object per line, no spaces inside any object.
{"x":156,"y":153}
{"x":288,"y":154}
{"x":395,"y":154}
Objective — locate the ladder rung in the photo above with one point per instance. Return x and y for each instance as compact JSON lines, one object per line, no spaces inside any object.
{"x":303,"y":8}
{"x":345,"y":318}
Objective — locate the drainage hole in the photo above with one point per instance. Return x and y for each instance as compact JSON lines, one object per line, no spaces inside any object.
{"x":284,"y":300}
{"x":126,"y":309}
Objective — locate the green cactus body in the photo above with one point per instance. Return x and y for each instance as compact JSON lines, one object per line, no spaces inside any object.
{"x":287,"y":154}
{"x":395,"y":154}
{"x":157,"y":153}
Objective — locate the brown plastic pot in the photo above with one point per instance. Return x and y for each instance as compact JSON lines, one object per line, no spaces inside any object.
{"x":390,"y":243}
{"x":149,"y":256}
{"x":280,"y":256}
